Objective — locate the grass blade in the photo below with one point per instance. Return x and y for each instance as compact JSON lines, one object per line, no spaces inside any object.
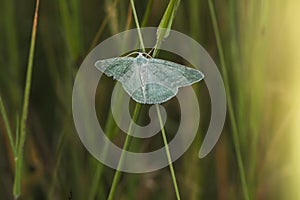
{"x":137,"y":24}
{"x":229,"y":101}
{"x":166,"y":24}
{"x":137,"y":109}
{"x":125,"y":148}
{"x":19,"y":159}
{"x":147,"y":13}
{"x":168,"y":153}
{"x":7,"y":127}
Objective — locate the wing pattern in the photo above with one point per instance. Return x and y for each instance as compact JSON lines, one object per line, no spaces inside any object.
{"x":173,"y":75}
{"x":116,"y":67}
{"x":152,"y":81}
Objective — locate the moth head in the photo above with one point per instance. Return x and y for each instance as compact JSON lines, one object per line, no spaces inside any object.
{"x":141,"y":60}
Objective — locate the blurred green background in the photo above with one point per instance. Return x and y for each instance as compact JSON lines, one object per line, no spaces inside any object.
{"x":262,"y":57}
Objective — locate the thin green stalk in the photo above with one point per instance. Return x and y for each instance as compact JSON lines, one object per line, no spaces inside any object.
{"x":110,"y":129}
{"x":166,"y":22}
{"x":17,"y":131}
{"x":147,"y":13}
{"x":12,"y":57}
{"x":19,"y":158}
{"x":71,"y":21}
{"x":137,"y":25}
{"x":102,"y":26}
{"x":168,"y":153}
{"x":125,"y":148}
{"x":11,"y":31}
{"x":99,"y":33}
{"x":109,"y":125}
{"x":96,"y":179}
{"x":128,"y":138}
{"x":229,"y":101}
{"x":7,"y":127}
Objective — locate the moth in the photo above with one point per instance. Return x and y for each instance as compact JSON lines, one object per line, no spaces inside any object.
{"x":149,"y":80}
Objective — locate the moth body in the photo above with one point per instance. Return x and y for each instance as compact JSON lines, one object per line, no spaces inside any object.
{"x":149,"y":81}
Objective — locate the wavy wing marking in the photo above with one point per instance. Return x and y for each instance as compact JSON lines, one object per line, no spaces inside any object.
{"x":153,"y":82}
{"x":116,"y":67}
{"x":123,"y":69}
{"x":153,"y":93}
{"x":172,"y":75}
{"x":163,"y":80}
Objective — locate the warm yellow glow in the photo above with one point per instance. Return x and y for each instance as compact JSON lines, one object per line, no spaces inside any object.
{"x":293,"y":16}
{"x":282,"y":99}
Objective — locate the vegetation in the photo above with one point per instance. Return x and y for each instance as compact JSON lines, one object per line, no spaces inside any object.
{"x":254,"y":43}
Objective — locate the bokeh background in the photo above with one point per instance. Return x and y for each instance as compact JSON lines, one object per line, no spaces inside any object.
{"x":262,"y":57}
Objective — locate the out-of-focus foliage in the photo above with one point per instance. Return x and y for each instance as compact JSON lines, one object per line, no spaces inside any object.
{"x":261,"y":46}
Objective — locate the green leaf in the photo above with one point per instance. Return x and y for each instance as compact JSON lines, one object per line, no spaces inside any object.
{"x":166,"y":23}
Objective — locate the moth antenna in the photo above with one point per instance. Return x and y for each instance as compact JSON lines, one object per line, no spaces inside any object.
{"x":132,"y":53}
{"x":136,"y":52}
{"x":147,"y":55}
{"x":151,"y":51}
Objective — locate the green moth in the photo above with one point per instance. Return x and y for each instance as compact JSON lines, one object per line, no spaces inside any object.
{"x":149,"y":80}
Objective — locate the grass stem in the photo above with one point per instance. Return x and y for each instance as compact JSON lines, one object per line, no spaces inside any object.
{"x":169,"y":21}
{"x":229,"y":101}
{"x":137,"y":25}
{"x":19,"y":158}
{"x":125,"y":148}
{"x":7,"y":127}
{"x":147,"y":13}
{"x":128,"y":138}
{"x":168,"y":153}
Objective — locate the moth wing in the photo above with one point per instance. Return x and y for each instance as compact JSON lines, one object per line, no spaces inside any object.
{"x":160,"y":82}
{"x":173,"y":75}
{"x":116,"y":67}
{"x":165,"y":77}
{"x":123,"y":69}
